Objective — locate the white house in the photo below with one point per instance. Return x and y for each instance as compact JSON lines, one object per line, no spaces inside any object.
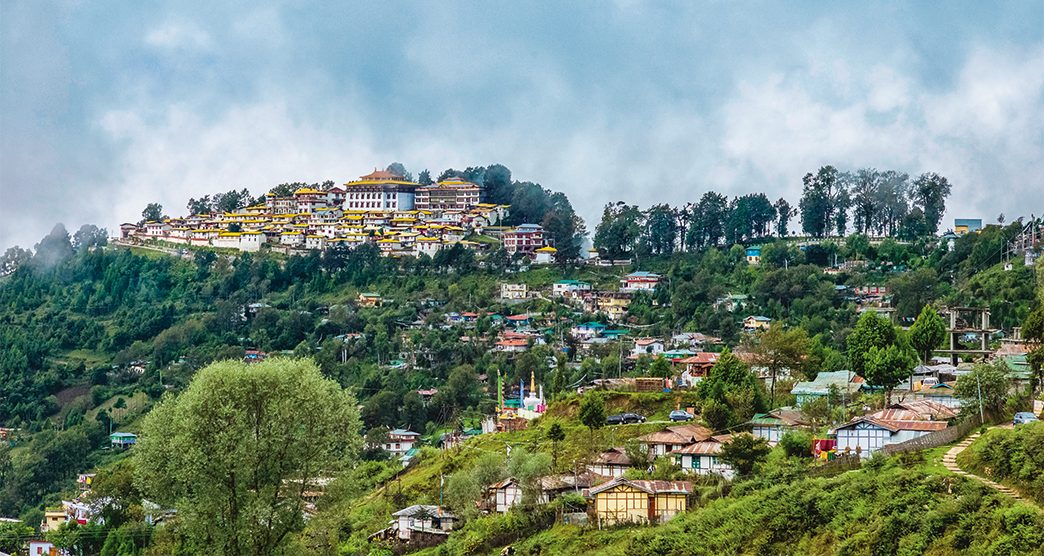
{"x":40,"y":547}
{"x":427,"y":245}
{"x":157,"y":229}
{"x":292,"y":239}
{"x":569,"y":288}
{"x":587,"y":330}
{"x":673,"y":438}
{"x":647,"y":346}
{"x":506,"y":493}
{"x":703,"y":458}
{"x":867,"y":434}
{"x":422,"y":519}
{"x":773,"y":425}
{"x":251,"y":241}
{"x":401,"y":441}
{"x":639,"y":281}
{"x":732,"y":302}
{"x":513,"y":291}
{"x":610,"y":463}
{"x":315,"y":241}
{"x":512,"y":345}
{"x":754,"y":255}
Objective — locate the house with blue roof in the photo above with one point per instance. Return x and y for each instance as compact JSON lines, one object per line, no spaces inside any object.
{"x":844,"y":383}
{"x":754,"y":255}
{"x":123,"y":440}
{"x":588,"y":330}
{"x":569,"y":288}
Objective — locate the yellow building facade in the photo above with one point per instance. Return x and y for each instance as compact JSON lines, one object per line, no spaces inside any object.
{"x":625,"y":501}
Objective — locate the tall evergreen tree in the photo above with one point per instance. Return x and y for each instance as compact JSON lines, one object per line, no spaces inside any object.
{"x":661,"y":229}
{"x":424,"y":178}
{"x":709,"y":221}
{"x":866,"y":203}
{"x":784,"y":212}
{"x":153,"y":212}
{"x":817,"y":201}
{"x":617,"y":234}
{"x":930,"y":191}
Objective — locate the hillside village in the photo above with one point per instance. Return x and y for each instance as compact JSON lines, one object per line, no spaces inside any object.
{"x":401,"y":217}
{"x":607,"y":488}
{"x":579,"y":396}
{"x":521,"y":279}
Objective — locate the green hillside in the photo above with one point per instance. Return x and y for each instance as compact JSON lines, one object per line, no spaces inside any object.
{"x":94,"y":336}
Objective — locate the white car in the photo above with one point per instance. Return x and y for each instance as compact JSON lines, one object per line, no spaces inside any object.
{"x":1023,"y":417}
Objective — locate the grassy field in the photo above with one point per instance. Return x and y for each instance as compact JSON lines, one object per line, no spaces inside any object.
{"x":124,"y":417}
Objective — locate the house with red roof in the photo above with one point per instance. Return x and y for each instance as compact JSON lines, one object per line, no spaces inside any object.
{"x":512,"y":345}
{"x":647,"y":346}
{"x":695,"y":367}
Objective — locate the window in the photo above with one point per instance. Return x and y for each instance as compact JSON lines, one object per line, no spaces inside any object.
{"x":695,"y":462}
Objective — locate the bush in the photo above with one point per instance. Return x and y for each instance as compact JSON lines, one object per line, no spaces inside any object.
{"x":796,"y":443}
{"x":480,"y":535}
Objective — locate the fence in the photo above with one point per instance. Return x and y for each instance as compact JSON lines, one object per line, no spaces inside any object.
{"x":932,"y":440}
{"x":834,"y":466}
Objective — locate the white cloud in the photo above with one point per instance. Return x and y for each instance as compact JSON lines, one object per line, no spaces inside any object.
{"x":767,"y":134}
{"x":982,"y":133}
{"x":178,"y":35}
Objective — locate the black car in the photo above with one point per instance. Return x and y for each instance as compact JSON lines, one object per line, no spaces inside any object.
{"x":625,"y":419}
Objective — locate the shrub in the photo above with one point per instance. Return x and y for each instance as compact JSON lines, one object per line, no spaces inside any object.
{"x":796,"y":443}
{"x":1011,"y":455}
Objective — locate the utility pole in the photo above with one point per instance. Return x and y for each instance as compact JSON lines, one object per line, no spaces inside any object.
{"x":978,"y":387}
{"x":619,"y":359}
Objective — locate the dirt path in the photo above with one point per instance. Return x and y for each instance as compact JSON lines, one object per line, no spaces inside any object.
{"x":950,"y":462}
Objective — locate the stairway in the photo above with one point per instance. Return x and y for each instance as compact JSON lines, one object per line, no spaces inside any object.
{"x":949,"y":461}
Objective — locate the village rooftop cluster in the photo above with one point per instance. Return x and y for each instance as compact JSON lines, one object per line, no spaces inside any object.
{"x":401,"y":217}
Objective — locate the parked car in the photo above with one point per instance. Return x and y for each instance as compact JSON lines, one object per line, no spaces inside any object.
{"x":633,"y":418}
{"x":624,"y":419}
{"x":1023,"y":417}
{"x":680,"y":415}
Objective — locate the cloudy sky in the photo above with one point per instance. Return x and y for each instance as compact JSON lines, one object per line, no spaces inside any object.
{"x":106,"y":106}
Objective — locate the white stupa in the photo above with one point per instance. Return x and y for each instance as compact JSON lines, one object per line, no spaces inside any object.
{"x":533,"y":403}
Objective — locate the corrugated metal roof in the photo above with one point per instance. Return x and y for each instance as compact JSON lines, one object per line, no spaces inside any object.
{"x":613,"y":456}
{"x":651,"y":487}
